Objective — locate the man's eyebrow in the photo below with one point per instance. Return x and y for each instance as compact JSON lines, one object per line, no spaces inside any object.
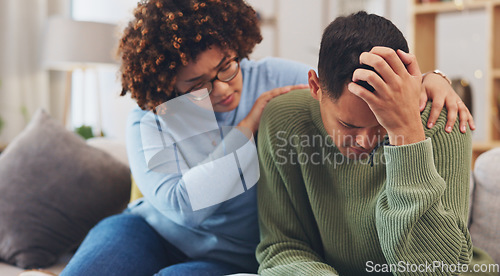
{"x":199,"y":77}
{"x":349,"y":125}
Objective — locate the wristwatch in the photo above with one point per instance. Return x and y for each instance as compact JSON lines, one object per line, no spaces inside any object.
{"x":439,"y":72}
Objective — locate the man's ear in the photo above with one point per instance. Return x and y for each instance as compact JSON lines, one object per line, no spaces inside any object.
{"x":314,"y":85}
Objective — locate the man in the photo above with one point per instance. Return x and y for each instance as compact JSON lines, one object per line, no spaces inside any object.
{"x":351,"y":181}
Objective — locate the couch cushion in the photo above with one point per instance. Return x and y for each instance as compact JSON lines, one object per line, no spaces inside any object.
{"x":485,"y":219}
{"x":113,"y":147}
{"x":53,"y":189}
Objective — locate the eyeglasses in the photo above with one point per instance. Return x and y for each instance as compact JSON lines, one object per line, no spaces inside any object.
{"x":225,"y":74}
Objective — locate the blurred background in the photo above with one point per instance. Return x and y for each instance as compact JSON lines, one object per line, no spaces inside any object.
{"x":31,"y":77}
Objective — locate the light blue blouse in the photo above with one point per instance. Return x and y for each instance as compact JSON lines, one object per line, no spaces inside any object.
{"x":227,"y":231}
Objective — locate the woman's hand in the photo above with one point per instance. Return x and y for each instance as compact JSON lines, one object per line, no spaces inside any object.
{"x":252,"y":120}
{"x":439,"y":91}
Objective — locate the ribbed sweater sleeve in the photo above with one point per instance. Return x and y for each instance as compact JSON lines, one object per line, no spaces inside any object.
{"x":422,"y":213}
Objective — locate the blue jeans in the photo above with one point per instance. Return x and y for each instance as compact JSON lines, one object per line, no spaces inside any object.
{"x":126,"y":244}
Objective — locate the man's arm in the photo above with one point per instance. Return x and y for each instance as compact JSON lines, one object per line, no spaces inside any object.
{"x":289,"y":244}
{"x":422,"y":214}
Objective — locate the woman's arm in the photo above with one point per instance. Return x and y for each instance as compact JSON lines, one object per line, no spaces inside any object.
{"x":185,"y":179}
{"x":437,"y":89}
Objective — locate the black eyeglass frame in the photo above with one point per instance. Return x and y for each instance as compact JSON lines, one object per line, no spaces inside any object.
{"x":209,"y":85}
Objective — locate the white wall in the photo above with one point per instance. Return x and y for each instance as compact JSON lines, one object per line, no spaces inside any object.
{"x":461,"y":46}
{"x":108,"y":11}
{"x":297,"y":33}
{"x":300,"y":24}
{"x":114,"y":108}
{"x":463,"y":53}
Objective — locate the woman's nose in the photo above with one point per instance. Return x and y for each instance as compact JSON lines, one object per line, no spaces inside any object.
{"x":220,"y":89}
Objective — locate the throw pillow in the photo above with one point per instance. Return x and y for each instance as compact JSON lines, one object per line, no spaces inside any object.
{"x":53,"y":189}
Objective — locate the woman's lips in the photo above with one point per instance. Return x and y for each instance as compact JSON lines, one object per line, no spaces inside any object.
{"x":228,"y":100}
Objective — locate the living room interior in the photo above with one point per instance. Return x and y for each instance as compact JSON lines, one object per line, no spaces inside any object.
{"x":76,"y":86}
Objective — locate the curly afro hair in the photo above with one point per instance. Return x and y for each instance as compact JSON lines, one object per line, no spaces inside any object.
{"x":165,"y":34}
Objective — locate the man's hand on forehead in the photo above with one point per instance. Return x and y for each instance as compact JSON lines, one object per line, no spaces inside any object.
{"x":395,"y":101}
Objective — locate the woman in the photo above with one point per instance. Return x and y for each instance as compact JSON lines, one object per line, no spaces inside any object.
{"x":175,"y":48}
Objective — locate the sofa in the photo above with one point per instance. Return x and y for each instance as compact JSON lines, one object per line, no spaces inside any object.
{"x":114,"y":148}
{"x":54,"y":187}
{"x":484,"y":211}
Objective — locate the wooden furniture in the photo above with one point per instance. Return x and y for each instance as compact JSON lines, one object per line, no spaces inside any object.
{"x":424,"y":46}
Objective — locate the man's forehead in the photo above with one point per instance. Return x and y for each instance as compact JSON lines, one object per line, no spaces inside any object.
{"x":354,"y":111}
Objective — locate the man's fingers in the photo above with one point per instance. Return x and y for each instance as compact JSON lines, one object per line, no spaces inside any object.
{"x":362,"y":92}
{"x":380,"y":65}
{"x":406,"y":58}
{"x":410,"y":61}
{"x":370,"y":77}
{"x":391,"y":58}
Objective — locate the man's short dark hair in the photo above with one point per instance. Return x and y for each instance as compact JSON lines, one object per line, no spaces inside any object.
{"x":343,"y":42}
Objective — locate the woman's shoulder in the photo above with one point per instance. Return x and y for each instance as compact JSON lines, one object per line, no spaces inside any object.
{"x":136,"y":114}
{"x":274,"y":64}
{"x":276,"y":72}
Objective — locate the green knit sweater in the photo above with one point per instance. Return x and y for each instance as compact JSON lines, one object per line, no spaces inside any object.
{"x":324,"y":214}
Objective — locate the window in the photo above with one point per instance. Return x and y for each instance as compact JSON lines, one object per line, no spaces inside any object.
{"x":95,"y":92}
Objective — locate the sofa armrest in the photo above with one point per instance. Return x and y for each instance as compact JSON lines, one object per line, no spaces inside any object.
{"x":486,"y":204}
{"x":115,"y":148}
